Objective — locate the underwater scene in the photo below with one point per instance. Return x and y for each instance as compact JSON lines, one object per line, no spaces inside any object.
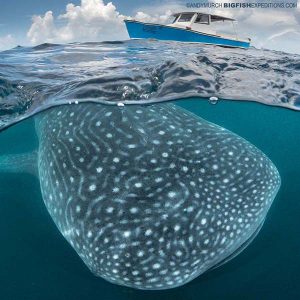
{"x":149,"y":170}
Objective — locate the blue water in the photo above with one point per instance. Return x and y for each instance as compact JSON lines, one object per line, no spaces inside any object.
{"x":35,"y":260}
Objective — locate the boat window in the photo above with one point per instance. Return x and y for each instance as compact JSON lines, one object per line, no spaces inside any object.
{"x":202,"y":19}
{"x":185,"y":17}
{"x":176,"y":19}
{"x":216,"y":19}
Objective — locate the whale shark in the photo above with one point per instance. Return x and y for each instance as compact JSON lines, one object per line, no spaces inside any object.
{"x":149,"y":196}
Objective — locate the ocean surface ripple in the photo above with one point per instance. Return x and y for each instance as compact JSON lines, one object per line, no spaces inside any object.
{"x":35,"y":78}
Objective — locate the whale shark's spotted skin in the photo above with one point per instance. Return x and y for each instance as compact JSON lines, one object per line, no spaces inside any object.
{"x":150,"y":196}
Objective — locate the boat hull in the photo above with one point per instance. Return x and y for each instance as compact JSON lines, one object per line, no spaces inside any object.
{"x":141,"y":30}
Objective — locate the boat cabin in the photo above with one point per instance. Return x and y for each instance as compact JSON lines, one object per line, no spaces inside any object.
{"x":202,"y":22}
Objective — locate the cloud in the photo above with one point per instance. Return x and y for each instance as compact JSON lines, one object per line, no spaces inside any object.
{"x":42,"y":29}
{"x":7,"y":42}
{"x":159,"y":18}
{"x":286,"y":39}
{"x":92,"y":20}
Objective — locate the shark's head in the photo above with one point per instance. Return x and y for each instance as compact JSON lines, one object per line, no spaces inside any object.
{"x":151,"y":196}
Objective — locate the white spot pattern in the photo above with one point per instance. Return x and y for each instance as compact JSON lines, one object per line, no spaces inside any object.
{"x":150,"y":196}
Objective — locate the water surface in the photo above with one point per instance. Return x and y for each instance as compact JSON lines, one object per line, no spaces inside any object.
{"x":140,"y":71}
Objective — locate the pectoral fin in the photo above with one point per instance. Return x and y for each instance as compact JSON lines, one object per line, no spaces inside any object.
{"x":19,"y":163}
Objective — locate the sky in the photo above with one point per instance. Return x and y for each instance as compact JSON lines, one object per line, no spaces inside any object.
{"x":33,"y":22}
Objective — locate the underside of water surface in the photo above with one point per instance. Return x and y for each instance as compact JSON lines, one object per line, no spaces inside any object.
{"x":141,"y":72}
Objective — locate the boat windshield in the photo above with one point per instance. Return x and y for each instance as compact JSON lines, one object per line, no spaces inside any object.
{"x":186,"y":17}
{"x":202,"y":19}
